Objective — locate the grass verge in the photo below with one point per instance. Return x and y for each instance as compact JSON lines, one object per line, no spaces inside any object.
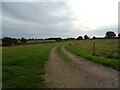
{"x":66,"y":58}
{"x":62,"y":55}
{"x":113,"y":63}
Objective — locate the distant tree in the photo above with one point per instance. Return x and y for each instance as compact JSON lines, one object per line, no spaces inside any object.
{"x":86,"y":37}
{"x":71,"y":38}
{"x":14,"y":41}
{"x":23,"y":40}
{"x":6,"y":41}
{"x":33,"y":39}
{"x":18,"y":39}
{"x":80,"y":38}
{"x":94,"y":37}
{"x":119,"y":36}
{"x":110,"y":35}
{"x":68,"y":38}
{"x":58,"y":39}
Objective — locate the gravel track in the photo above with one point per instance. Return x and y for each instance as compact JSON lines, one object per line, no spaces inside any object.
{"x":60,"y":74}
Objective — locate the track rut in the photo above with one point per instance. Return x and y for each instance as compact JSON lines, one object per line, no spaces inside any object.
{"x":60,"y":74}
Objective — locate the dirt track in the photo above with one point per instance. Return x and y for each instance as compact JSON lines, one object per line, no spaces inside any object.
{"x":60,"y":74}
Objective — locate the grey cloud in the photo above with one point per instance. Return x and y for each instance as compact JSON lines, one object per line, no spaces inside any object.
{"x":44,"y":19}
{"x":34,"y":18}
{"x":34,"y":12}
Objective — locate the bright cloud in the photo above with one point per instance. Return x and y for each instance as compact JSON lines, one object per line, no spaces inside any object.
{"x":94,"y":13}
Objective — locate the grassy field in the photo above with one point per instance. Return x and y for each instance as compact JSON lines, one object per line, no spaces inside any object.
{"x":106,"y":51}
{"x":1,"y":77}
{"x":23,"y":66}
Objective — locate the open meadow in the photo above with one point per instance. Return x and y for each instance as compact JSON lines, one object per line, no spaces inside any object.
{"x":106,"y":51}
{"x":60,"y":44}
{"x":23,"y":66}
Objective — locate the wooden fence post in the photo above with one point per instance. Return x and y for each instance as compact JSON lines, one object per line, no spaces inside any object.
{"x":93,"y":47}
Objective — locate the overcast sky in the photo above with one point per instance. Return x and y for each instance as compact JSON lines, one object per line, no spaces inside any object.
{"x":66,"y":18}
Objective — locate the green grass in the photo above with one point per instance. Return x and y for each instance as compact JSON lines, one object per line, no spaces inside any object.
{"x":83,"y":48}
{"x":23,"y":66}
{"x":67,"y":59}
{"x":0,"y":67}
{"x":62,"y":54}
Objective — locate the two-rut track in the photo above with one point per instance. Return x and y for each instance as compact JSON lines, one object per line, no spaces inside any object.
{"x":60,"y":74}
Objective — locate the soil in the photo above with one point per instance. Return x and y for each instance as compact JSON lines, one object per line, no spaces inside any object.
{"x":60,"y":74}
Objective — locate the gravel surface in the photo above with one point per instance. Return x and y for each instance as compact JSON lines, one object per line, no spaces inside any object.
{"x":60,"y":74}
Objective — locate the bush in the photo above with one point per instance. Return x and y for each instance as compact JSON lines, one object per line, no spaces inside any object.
{"x":6,"y":41}
{"x":23,"y":40}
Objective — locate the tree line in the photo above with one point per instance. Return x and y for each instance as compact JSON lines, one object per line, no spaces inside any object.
{"x":8,"y":41}
{"x":108,"y":35}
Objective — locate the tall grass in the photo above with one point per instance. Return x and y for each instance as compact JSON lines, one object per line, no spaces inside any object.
{"x":106,"y":51}
{"x":107,"y":48}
